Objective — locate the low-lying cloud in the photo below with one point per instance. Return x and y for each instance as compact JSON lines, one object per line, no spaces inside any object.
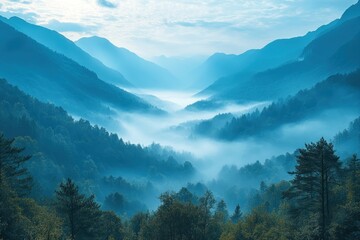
{"x":108,"y":4}
{"x":70,"y":27}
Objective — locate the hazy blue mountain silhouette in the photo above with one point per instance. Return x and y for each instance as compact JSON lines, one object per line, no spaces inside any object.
{"x":181,"y":67}
{"x":52,"y":77}
{"x":336,"y":51}
{"x":60,"y":44}
{"x":278,"y":53}
{"x":138,"y":71}
{"x":351,"y":12}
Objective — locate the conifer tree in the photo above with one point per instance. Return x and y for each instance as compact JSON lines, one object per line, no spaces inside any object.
{"x":236,"y":215}
{"x":12,"y":170}
{"x":315,"y":175}
{"x":81,"y":213}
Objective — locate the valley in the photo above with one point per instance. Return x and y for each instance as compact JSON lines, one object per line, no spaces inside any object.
{"x":257,"y":144}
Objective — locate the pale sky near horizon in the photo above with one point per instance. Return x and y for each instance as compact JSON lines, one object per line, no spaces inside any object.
{"x":179,"y":28}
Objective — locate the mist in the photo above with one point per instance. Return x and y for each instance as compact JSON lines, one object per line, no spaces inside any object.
{"x":212,"y":154}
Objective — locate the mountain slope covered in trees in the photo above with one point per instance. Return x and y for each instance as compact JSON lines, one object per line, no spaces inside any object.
{"x":339,"y":92}
{"x":310,"y":205}
{"x":62,"y":147}
{"x":60,"y":44}
{"x":52,"y":77}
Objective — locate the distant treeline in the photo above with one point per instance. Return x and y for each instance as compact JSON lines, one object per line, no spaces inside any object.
{"x":337,"y":92}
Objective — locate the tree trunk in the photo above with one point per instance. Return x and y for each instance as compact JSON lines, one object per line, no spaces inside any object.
{"x":322,"y":197}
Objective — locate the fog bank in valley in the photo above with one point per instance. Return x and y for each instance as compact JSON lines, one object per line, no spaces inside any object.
{"x":213,"y":154}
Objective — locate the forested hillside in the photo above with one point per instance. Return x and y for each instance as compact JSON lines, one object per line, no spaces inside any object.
{"x":62,"y":147}
{"x":309,"y":206}
{"x":60,"y":44}
{"x":52,"y":77}
{"x":340,"y":92}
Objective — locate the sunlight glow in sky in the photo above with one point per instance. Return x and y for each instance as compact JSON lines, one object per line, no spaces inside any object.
{"x":184,"y":27}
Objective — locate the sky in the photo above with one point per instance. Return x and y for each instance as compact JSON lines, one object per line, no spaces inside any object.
{"x":179,"y":28}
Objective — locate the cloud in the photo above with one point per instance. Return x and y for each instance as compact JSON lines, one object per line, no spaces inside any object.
{"x":27,"y":16}
{"x":201,"y":24}
{"x":21,"y":1}
{"x":185,"y":27}
{"x":70,"y":27}
{"x":106,"y":3}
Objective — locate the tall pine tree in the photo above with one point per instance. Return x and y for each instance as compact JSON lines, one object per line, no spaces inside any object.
{"x":315,"y":175}
{"x":81,"y":213}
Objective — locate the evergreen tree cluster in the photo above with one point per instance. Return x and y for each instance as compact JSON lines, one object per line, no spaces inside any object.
{"x":62,"y":147}
{"x":322,"y":201}
{"x":336,"y":92}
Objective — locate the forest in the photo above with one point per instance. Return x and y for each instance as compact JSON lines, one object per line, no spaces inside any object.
{"x":337,"y":93}
{"x":62,"y":147}
{"x":320,"y":201}
{"x":179,"y":120}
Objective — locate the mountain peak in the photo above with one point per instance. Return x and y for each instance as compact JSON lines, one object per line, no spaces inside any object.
{"x":17,"y":19}
{"x":352,"y":12}
{"x":97,"y":40}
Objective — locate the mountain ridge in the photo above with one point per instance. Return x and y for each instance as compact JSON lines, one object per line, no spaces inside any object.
{"x":140,"y":72}
{"x":60,"y":44}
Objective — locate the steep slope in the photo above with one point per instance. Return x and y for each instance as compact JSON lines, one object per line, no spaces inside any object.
{"x":180,"y":66}
{"x":339,"y":92}
{"x":278,"y":53}
{"x":62,"y":45}
{"x":52,"y":77}
{"x":331,"y":53}
{"x":62,"y":147}
{"x":351,"y":12}
{"x":141,"y":73}
{"x":215,"y":70}
{"x":348,"y":141}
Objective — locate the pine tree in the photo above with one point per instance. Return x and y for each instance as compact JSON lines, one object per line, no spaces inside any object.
{"x":81,"y":213}
{"x":12,"y":170}
{"x":353,"y":180}
{"x":315,"y":175}
{"x":236,"y":215}
{"x":15,"y":181}
{"x":221,"y":212}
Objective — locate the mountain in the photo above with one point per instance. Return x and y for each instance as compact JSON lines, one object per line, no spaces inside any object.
{"x":272,"y":56}
{"x":60,"y":44}
{"x":55,"y":78}
{"x":339,"y":92}
{"x":141,"y":73}
{"x":348,"y":141}
{"x":352,"y":12}
{"x":336,"y":51}
{"x":62,"y":147}
{"x":181,"y":67}
{"x":215,"y":69}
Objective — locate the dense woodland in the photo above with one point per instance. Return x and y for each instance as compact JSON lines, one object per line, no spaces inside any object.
{"x":62,"y":147}
{"x":321,"y":201}
{"x":66,"y":178}
{"x":337,"y":93}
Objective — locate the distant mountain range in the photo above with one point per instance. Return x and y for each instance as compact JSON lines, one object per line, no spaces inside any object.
{"x":140,"y":72}
{"x":52,"y":77}
{"x":60,"y":44}
{"x":285,"y":66}
{"x":338,"y":92}
{"x":183,"y":68}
